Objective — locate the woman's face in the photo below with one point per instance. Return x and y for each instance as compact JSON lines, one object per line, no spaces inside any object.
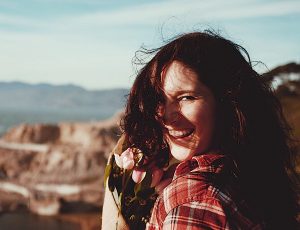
{"x":188,"y":114}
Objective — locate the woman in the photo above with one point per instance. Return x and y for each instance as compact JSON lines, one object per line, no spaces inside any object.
{"x":199,"y":101}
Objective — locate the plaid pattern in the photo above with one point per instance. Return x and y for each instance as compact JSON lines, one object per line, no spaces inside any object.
{"x":203,"y":195}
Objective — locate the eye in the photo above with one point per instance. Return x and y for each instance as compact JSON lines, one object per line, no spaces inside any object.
{"x":187,"y":98}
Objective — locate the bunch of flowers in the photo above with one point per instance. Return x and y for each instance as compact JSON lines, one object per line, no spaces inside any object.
{"x":136,"y":182}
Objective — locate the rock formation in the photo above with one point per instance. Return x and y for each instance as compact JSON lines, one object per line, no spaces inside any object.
{"x":53,"y":167}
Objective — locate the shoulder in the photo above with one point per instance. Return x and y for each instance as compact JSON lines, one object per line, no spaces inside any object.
{"x":193,"y":200}
{"x":189,"y":201}
{"x":205,"y":214}
{"x":185,"y":190}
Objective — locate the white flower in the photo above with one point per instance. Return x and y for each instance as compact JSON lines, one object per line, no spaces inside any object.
{"x":125,"y":160}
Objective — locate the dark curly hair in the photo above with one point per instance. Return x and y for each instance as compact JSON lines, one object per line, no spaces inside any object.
{"x":251,"y":127}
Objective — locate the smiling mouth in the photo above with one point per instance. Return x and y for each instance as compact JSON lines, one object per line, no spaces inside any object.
{"x":180,"y":133}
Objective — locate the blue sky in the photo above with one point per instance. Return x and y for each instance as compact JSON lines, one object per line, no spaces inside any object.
{"x":91,"y":42}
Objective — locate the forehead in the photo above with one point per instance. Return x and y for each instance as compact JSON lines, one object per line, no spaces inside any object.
{"x":178,"y":77}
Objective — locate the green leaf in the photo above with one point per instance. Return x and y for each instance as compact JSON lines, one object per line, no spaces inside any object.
{"x":121,"y":199}
{"x":147,"y":180}
{"x":145,"y":183}
{"x":137,"y":188}
{"x":145,"y":193}
{"x":111,"y":183}
{"x":107,"y":172}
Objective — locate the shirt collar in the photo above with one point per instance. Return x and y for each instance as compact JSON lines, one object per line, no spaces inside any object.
{"x":210,"y":162}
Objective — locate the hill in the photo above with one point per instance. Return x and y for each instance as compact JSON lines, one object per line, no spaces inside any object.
{"x":287,"y":88}
{"x":23,"y":96}
{"x":45,"y":103}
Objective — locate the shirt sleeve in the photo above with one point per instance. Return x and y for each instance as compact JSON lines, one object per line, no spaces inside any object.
{"x":196,"y":215}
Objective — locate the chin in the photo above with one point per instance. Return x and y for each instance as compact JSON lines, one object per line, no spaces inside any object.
{"x":181,"y":153}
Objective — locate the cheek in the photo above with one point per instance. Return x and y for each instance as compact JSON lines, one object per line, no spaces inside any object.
{"x":196,"y":113}
{"x":206,"y":125}
{"x":202,"y":117}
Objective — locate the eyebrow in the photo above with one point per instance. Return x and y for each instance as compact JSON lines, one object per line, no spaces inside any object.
{"x":179,"y":92}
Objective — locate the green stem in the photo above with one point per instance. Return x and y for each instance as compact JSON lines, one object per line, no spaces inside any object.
{"x":125,"y":182}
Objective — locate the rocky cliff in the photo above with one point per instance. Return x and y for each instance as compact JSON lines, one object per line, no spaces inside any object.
{"x":52,"y":168}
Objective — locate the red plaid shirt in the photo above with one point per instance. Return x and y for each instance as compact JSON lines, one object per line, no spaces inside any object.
{"x":203,"y":195}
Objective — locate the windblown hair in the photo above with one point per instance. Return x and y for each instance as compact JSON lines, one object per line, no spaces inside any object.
{"x":250,"y":125}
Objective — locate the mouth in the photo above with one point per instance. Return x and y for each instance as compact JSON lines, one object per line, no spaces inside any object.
{"x":180,"y":133}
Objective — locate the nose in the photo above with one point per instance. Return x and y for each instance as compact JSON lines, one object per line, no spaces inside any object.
{"x":171,"y":113}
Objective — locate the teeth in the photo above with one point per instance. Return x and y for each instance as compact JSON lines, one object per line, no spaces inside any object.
{"x":181,"y":133}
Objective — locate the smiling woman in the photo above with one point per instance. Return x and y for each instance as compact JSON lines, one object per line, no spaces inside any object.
{"x":199,"y":103}
{"x":188,"y":115}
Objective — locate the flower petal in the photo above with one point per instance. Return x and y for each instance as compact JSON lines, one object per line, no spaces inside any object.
{"x":138,"y":176}
{"x":128,"y":153}
{"x":128,"y":163}
{"x":118,"y":160}
{"x":125,"y":160}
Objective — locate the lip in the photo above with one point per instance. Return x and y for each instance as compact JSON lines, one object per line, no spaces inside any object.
{"x":178,"y":134}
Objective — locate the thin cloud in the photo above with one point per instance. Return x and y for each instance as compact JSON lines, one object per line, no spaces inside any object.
{"x":148,"y":14}
{"x":6,"y":19}
{"x":71,"y":1}
{"x":258,"y":10}
{"x":153,"y":13}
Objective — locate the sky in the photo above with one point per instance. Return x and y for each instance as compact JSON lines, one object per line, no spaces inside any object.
{"x":91,"y":43}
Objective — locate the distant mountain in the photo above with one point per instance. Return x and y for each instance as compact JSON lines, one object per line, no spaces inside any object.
{"x":45,"y":103}
{"x":47,"y":97}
